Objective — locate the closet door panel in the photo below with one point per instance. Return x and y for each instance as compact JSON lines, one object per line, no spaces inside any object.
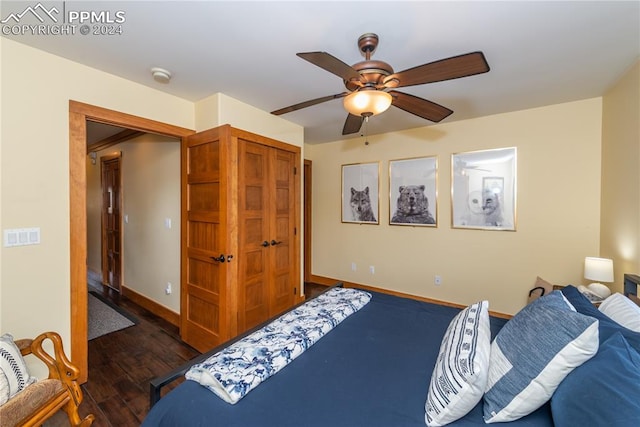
{"x":204,"y":237}
{"x":253,"y":232}
{"x":282,"y":229}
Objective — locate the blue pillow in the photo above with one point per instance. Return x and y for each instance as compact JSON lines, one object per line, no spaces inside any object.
{"x":608,"y":326}
{"x":533,"y":353}
{"x":604,"y":391}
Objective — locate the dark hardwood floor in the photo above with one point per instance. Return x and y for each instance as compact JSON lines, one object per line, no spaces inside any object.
{"x":122,"y":363}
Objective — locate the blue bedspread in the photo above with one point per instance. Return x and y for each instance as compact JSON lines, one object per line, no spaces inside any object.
{"x":373,"y":369}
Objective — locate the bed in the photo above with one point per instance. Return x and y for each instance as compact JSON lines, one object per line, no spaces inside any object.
{"x":372,"y":369}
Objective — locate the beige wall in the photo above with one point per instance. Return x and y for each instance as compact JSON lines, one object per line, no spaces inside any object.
{"x":151,"y":194}
{"x":620,"y":221}
{"x":220,"y":109}
{"x":558,"y":209}
{"x":35,"y":174}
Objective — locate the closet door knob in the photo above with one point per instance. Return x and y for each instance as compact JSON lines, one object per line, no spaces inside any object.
{"x":265,"y":244}
{"x":221,"y":258}
{"x":273,"y":243}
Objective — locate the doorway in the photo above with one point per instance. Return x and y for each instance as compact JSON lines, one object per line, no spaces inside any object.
{"x":79,"y":113}
{"x":307,"y":221}
{"x":110,"y":167}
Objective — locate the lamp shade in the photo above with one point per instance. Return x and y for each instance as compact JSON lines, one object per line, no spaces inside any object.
{"x":598,"y":269}
{"x":367,"y":102}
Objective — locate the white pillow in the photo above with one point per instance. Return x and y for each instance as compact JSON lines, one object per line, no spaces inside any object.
{"x":533,"y":353}
{"x":622,"y":310}
{"x":4,"y":388}
{"x":12,"y":366}
{"x":460,"y":375}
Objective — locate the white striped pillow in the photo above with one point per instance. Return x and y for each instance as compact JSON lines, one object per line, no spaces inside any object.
{"x":460,"y":375}
{"x":12,"y":367}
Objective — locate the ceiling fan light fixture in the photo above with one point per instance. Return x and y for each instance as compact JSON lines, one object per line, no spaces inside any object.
{"x":367,"y":103}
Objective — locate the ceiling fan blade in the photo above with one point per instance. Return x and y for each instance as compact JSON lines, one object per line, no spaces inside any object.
{"x":352,"y":124}
{"x":445,"y":69}
{"x":331,"y":64}
{"x":420,"y":107}
{"x":308,"y":103}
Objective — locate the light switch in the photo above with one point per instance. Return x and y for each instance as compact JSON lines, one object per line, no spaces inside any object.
{"x":167,"y":223}
{"x":21,"y":237}
{"x":10,"y":238}
{"x":34,"y":236}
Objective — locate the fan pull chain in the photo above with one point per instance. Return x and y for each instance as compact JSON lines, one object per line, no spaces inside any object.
{"x":366,"y":130}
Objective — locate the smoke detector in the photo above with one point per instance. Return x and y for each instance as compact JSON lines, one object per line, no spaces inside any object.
{"x":161,"y":75}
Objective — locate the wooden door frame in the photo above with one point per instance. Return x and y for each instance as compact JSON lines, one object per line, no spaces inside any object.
{"x":307,"y":219}
{"x":103,"y":225}
{"x":79,"y":113}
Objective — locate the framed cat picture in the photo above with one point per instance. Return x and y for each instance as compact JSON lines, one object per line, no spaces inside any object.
{"x":413,"y":192}
{"x":483,"y":192}
{"x":360,"y":197}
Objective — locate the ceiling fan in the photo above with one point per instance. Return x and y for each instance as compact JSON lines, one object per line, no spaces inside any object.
{"x":370,"y":84}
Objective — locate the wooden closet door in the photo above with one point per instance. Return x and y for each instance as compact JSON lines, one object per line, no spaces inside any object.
{"x":266,"y":212}
{"x":207,"y":303}
{"x":253,"y":233}
{"x":282,"y":259}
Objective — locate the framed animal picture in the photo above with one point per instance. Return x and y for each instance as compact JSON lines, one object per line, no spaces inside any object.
{"x":483,"y":192}
{"x":413,"y":195}
{"x":360,"y":199}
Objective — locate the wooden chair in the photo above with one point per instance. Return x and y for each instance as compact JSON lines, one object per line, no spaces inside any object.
{"x":41,"y":400}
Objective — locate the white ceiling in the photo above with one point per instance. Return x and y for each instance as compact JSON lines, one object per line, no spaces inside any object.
{"x":540,"y":53}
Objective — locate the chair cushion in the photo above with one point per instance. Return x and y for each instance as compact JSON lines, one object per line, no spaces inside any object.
{"x":13,"y":368}
{"x":24,"y":403}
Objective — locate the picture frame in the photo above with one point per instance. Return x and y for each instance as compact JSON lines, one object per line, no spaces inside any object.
{"x":413,"y":191}
{"x":484,"y":189}
{"x":360,"y":193}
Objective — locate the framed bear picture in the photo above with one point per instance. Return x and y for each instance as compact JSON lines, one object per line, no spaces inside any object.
{"x":483,"y":192}
{"x":413,"y":195}
{"x":360,"y":183}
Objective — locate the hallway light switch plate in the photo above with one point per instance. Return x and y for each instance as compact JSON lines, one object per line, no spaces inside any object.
{"x":21,"y":237}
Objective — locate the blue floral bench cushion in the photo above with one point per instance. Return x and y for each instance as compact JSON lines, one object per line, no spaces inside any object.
{"x":236,"y":370}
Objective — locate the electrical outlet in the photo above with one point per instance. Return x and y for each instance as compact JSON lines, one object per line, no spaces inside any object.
{"x":353,"y":266}
{"x":372,"y":269}
{"x":168,"y":290}
{"x":437,"y":280}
